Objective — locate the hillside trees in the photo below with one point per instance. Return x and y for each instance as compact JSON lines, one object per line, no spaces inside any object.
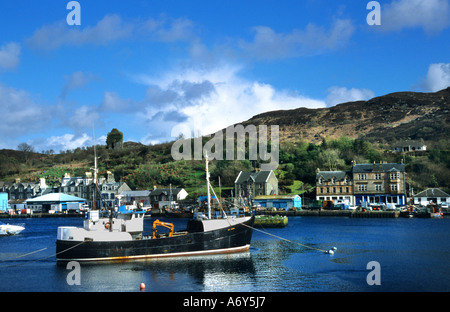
{"x":142,"y":166}
{"x":114,"y":139}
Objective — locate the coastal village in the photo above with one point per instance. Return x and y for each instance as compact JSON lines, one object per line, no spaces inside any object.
{"x":366,"y":187}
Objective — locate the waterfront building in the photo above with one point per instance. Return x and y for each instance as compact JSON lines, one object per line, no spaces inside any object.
{"x":256,"y":183}
{"x":379,"y":183}
{"x":138,"y":197}
{"x":58,"y":202}
{"x":109,"y":191}
{"x":78,"y":186}
{"x":431,"y":195}
{"x":162,"y":197}
{"x":24,"y":190}
{"x":336,"y":186}
{"x":285,"y":202}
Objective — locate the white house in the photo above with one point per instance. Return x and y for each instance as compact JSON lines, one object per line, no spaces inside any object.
{"x":161,"y":197}
{"x":434,"y":195}
{"x":409,"y":146}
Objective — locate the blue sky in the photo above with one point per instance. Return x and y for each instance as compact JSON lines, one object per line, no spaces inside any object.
{"x":155,"y":69}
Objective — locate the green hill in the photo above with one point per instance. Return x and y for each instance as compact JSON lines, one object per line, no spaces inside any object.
{"x":328,"y":138}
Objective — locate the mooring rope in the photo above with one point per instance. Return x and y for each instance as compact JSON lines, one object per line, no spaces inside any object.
{"x":24,"y":255}
{"x":36,"y":260}
{"x":331,"y":251}
{"x":284,"y":239}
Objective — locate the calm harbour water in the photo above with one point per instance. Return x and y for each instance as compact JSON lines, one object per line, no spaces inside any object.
{"x":414,"y":255}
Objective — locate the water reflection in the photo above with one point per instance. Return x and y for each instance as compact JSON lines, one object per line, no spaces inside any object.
{"x":198,"y":273}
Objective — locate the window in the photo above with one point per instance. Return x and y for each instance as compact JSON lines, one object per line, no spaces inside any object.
{"x":321,"y":180}
{"x":378,"y":187}
{"x":394,"y":175}
{"x":393,"y":187}
{"x":321,"y":190}
{"x":334,"y":190}
{"x":340,"y":190}
{"x":362,"y":176}
{"x":362,"y":187}
{"x":333,"y":180}
{"x":377,"y":176}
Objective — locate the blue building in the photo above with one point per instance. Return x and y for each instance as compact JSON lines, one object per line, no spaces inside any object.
{"x":4,"y":202}
{"x":285,"y":202}
{"x":54,"y":201}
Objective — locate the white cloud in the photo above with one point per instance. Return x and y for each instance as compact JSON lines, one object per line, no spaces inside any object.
{"x":109,"y":29}
{"x":75,"y":81}
{"x":219,"y":98}
{"x":438,"y":77}
{"x":431,"y":15}
{"x":70,"y":141}
{"x":168,"y":30}
{"x":9,"y":56}
{"x":337,"y":95}
{"x":50,"y":37}
{"x":267,"y":44}
{"x":21,"y":115}
{"x":113,"y":103}
{"x":83,"y":117}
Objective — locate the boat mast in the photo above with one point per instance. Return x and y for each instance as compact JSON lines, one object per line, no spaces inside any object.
{"x":207,"y":187}
{"x":95,"y":169}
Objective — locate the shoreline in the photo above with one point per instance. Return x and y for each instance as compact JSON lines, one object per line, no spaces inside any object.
{"x":290,"y":213}
{"x":334,"y":213}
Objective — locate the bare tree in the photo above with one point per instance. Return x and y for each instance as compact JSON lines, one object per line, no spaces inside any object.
{"x":26,"y":150}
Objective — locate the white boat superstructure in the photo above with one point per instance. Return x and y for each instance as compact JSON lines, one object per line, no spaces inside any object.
{"x":10,"y":229}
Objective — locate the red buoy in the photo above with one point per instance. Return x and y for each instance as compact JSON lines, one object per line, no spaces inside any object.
{"x":142,"y":286}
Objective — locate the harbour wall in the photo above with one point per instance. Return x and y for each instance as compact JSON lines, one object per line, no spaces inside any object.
{"x":333,"y":213}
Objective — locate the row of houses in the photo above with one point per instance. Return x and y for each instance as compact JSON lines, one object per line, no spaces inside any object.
{"x":371,"y":183}
{"x":81,"y":187}
{"x":41,"y":197}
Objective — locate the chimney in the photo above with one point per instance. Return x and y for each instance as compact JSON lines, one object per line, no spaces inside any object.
{"x":42,"y":183}
{"x":66,"y":175}
{"x":17,"y":180}
{"x":110,"y":177}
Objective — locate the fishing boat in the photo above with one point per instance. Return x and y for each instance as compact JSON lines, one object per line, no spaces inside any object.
{"x":120,"y":236}
{"x":10,"y":229}
{"x":430,"y":211}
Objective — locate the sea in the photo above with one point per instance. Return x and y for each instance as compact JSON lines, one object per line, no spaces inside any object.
{"x":372,"y":255}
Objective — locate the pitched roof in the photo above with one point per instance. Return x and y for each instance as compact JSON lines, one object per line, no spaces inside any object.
{"x":56,"y":197}
{"x":365,"y":168}
{"x":255,"y":176}
{"x":142,"y":193}
{"x":432,"y":192}
{"x":328,"y":175}
{"x":264,"y":197}
{"x":165,"y":191}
